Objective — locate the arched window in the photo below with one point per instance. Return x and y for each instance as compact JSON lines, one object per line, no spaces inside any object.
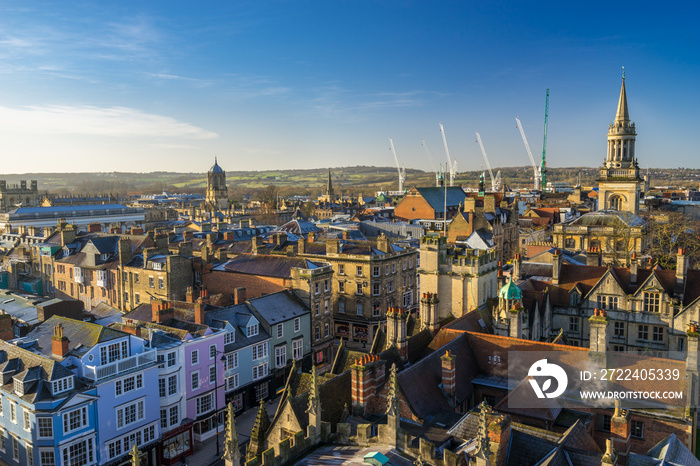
{"x":615,"y":202}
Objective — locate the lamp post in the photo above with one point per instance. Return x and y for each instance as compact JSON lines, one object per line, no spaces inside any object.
{"x":216,"y":398}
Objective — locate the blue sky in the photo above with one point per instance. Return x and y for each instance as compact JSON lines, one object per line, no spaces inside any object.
{"x":144,"y":86}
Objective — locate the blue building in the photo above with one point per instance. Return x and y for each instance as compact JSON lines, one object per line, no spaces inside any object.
{"x":47,"y":415}
{"x":247,"y":356}
{"x":115,"y":377}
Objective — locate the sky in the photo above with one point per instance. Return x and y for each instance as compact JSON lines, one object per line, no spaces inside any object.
{"x":167,"y":86}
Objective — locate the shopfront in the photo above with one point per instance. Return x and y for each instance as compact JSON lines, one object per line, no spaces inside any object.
{"x":176,"y":443}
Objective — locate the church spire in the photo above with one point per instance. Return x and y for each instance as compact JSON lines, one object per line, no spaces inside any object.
{"x":623,"y":114}
{"x":329,"y":188}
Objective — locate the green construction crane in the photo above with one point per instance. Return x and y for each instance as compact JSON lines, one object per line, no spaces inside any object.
{"x":543,"y":168}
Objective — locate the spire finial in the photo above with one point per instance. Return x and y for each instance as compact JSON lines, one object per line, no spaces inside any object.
{"x":623,"y":72}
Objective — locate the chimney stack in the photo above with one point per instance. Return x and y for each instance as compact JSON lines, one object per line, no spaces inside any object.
{"x":556,"y":266}
{"x":517,"y":261}
{"x":124,"y":250}
{"x":161,"y":311}
{"x":199,"y":314}
{"x":367,"y":376}
{"x":59,"y":342}
{"x":449,"y":374}
{"x":239,"y":295}
{"x":634,"y":264}
{"x":383,"y":243}
{"x":599,"y":335}
{"x":593,"y":256}
{"x":681,"y":272}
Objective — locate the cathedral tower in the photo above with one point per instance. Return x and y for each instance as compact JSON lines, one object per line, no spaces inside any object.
{"x":619,"y":183}
{"x":217,"y":192}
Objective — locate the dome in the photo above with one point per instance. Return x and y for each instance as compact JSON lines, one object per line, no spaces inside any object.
{"x":510,"y":291}
{"x":216,"y":168}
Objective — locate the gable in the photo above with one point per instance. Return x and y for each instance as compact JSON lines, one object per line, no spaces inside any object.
{"x":651,"y":284}
{"x":607,"y":284}
{"x":76,"y":400}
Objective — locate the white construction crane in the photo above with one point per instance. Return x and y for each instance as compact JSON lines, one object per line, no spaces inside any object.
{"x":430,"y":158}
{"x":495,"y":181}
{"x":451,"y":166}
{"x":537,"y":176}
{"x":402,"y":170}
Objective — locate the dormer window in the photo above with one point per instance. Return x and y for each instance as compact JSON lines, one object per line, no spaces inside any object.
{"x":104,"y":257}
{"x":62,"y":385}
{"x":230,"y":337}
{"x":19,"y":387}
{"x":252,"y":330}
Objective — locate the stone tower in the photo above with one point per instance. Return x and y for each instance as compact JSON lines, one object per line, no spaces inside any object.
{"x":217,"y":192}
{"x":620,"y":184}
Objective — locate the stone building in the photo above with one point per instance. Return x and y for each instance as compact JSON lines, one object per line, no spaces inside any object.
{"x":217,"y":192}
{"x":616,"y":228}
{"x":495,"y":225}
{"x":13,"y":196}
{"x":461,"y":278}
{"x":154,"y":273}
{"x":649,"y":309}
{"x":369,"y":278}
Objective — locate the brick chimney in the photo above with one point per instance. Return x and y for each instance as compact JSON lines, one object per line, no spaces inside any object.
{"x":301,"y":246}
{"x":311,"y":237}
{"x":239,"y":295}
{"x":132,"y":329}
{"x":681,"y":272}
{"x":593,"y":256}
{"x":449,"y":375}
{"x":160,"y":310}
{"x":59,"y":342}
{"x":367,"y":376}
{"x":187,"y":236}
{"x":94,"y":227}
{"x":229,"y":236}
{"x":620,"y":430}
{"x":199,"y":314}
{"x":499,"y":434}
{"x":136,"y":230}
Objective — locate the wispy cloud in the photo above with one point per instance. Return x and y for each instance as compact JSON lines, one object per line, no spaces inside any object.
{"x":96,"y":121}
{"x":333,"y":99}
{"x":174,"y":77}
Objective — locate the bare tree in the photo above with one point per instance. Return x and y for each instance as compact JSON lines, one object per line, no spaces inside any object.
{"x":268,"y":197}
{"x":670,"y":231}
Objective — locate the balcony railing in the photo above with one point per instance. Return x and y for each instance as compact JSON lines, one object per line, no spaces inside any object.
{"x":97,"y":373}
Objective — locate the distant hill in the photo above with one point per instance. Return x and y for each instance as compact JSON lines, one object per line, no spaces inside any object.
{"x":312,"y":181}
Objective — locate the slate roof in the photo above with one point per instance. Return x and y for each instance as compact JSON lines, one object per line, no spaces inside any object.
{"x":435,"y":196}
{"x":266,"y":265}
{"x":669,"y":452}
{"x":279,"y":307}
{"x":608,"y":218}
{"x":80,"y":334}
{"x":69,"y":208}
